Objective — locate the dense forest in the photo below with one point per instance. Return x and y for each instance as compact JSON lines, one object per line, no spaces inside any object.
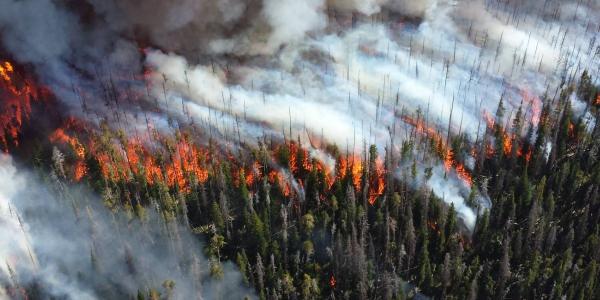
{"x":363,"y":230}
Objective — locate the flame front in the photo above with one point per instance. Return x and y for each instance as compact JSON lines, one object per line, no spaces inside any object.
{"x":447,"y":154}
{"x":17,"y":94}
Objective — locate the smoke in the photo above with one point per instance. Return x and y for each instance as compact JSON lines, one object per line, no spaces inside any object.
{"x":67,"y":246}
{"x":370,"y":7}
{"x":245,"y":69}
{"x":469,"y":50}
{"x":452,"y":191}
{"x":448,"y":187}
{"x":463,"y":52}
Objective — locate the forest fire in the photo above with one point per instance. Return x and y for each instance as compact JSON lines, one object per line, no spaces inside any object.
{"x":17,"y":95}
{"x":464,"y":174}
{"x":461,"y":172}
{"x":277,"y":177}
{"x":312,"y":149}
{"x":350,"y":165}
{"x":6,"y":69}
{"x":356,"y":171}
{"x":299,"y":158}
{"x":341,"y":167}
{"x":422,"y":128}
{"x":526,"y":156}
{"x":433,"y":225}
{"x":449,"y":161}
{"x":59,"y":136}
{"x":535,"y":104}
{"x":507,"y":142}
{"x":325,"y":170}
{"x":123,"y":161}
{"x":489,"y":120}
{"x":254,"y":173}
{"x":332,"y":281}
{"x":571,"y":130}
{"x":80,"y":170}
{"x":181,"y":164}
{"x":376,"y":182}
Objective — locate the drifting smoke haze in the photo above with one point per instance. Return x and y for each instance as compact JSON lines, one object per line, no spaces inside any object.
{"x":342,"y":72}
{"x":360,"y":76}
{"x":300,"y":64}
{"x":69,"y":246}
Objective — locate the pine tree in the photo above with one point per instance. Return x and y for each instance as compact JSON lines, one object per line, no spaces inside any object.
{"x":425,"y":278}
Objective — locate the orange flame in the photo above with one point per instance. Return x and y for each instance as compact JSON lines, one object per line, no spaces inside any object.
{"x":332,"y":281}
{"x":434,"y":227}
{"x":185,"y":161}
{"x":6,"y":69}
{"x":356,"y":170}
{"x":571,"y":130}
{"x":507,"y":142}
{"x":447,"y":154}
{"x":132,"y":158}
{"x":254,"y":173}
{"x":341,"y":168}
{"x":489,"y":120}
{"x":59,"y":135}
{"x":298,"y":164}
{"x":527,"y":155}
{"x":463,"y":174}
{"x":153,"y":172}
{"x":448,"y":160}
{"x":80,"y":170}
{"x":329,"y":180}
{"x":377,"y":181}
{"x":279,"y":178}
{"x":293,"y":159}
{"x":15,"y":106}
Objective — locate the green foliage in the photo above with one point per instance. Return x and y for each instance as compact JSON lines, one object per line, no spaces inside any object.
{"x":539,"y":239}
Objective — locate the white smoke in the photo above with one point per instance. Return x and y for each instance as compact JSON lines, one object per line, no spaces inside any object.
{"x":251,"y":68}
{"x":347,"y":85}
{"x":14,"y":243}
{"x":452,"y":191}
{"x":290,"y":20}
